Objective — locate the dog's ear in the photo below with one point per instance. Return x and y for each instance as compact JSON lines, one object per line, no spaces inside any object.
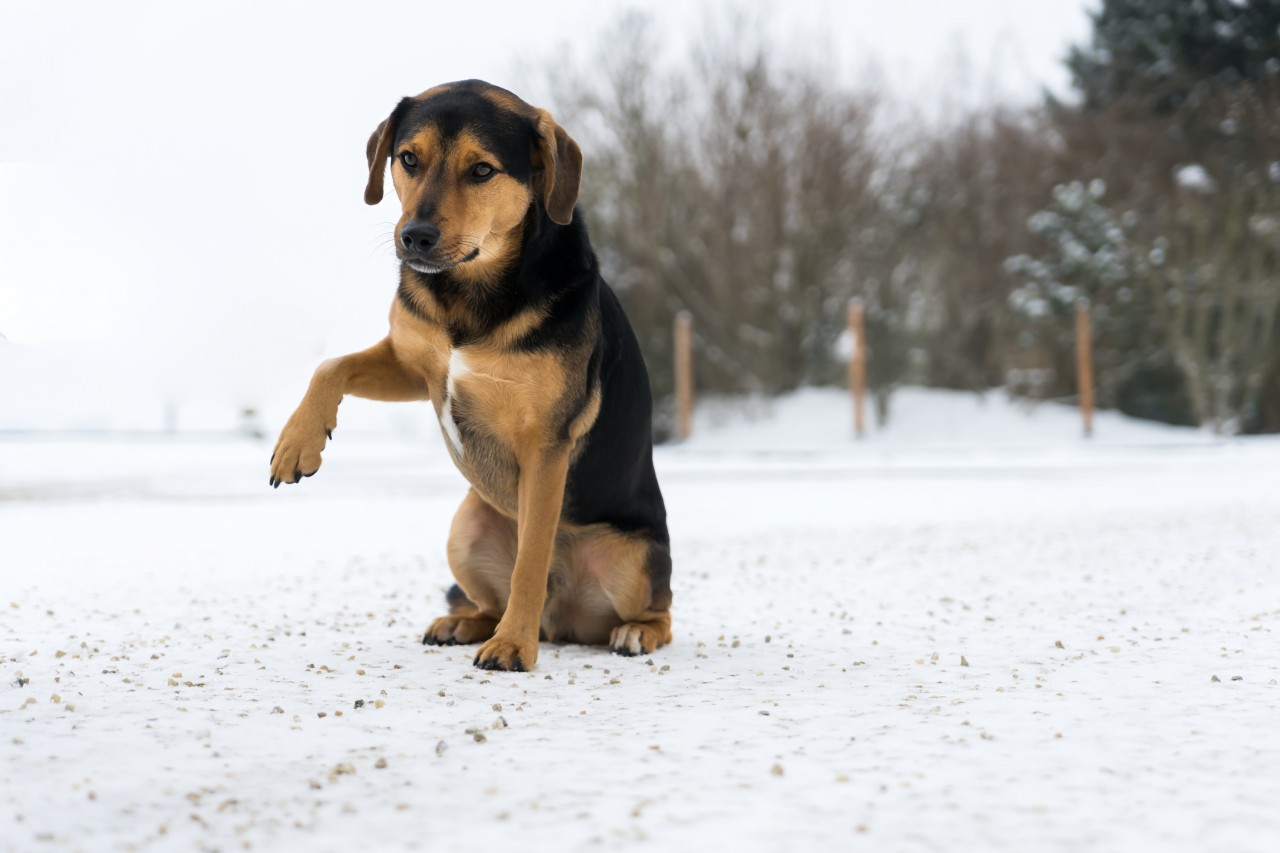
{"x":378,"y":151}
{"x":561,"y":168}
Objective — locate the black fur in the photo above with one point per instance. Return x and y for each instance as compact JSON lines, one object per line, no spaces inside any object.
{"x":507,"y":134}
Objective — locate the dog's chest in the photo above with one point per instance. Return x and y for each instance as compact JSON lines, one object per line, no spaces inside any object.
{"x":457,"y":369}
{"x":496,"y":407}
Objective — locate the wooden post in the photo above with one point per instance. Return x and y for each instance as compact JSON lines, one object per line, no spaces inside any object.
{"x":684,"y":374}
{"x":857,"y":362}
{"x":1084,"y":364}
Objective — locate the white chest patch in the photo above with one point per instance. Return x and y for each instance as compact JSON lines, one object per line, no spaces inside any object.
{"x":457,"y":367}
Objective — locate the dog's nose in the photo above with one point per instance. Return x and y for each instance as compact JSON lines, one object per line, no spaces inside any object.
{"x":419,"y":236}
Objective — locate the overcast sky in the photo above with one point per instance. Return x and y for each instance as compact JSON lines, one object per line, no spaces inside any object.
{"x":180,"y":183}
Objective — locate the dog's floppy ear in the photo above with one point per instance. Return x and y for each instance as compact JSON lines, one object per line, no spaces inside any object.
{"x":378,"y":151}
{"x":561,"y":168}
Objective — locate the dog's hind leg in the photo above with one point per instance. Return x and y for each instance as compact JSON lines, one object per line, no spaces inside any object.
{"x":482,"y":554}
{"x":635,"y":572}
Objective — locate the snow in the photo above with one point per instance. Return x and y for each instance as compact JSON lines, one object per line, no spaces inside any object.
{"x":970,"y":630}
{"x":1194,"y":177}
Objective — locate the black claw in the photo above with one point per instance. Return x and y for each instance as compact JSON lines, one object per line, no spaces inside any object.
{"x":273,"y":457}
{"x":297,"y":475}
{"x":312,"y":474}
{"x":271,"y":481}
{"x":277,"y":485}
{"x":493,"y":663}
{"x":329,"y":433}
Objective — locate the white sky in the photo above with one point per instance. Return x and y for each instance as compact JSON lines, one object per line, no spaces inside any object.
{"x":180,"y":183}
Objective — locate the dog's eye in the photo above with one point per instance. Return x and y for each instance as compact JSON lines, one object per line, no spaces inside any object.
{"x":480,"y":171}
{"x":409,"y":160}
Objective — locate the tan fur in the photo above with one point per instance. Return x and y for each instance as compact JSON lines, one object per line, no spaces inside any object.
{"x":377,"y":149}
{"x":486,"y":216}
{"x":599,"y":582}
{"x":376,"y":373}
{"x":506,"y":101}
{"x":561,"y":168}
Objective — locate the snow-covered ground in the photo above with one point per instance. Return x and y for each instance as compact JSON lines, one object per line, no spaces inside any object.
{"x":973,"y":630}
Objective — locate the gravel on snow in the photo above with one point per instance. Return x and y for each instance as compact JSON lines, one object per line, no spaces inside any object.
{"x":863,"y":659}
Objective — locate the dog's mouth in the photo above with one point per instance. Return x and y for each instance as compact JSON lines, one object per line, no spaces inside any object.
{"x":431,"y":266}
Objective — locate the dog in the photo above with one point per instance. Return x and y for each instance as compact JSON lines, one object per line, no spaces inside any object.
{"x":503,"y":322}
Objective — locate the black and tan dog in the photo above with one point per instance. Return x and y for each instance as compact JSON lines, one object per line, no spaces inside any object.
{"x":503,"y":322}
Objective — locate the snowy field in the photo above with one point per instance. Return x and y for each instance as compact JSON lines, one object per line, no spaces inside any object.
{"x":975,"y":631}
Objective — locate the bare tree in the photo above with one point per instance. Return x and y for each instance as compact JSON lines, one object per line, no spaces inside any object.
{"x":737,"y":192}
{"x":1216,"y":285}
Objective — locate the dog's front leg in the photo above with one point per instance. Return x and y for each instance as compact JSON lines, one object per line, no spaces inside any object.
{"x":540,"y":494}
{"x":375,"y":373}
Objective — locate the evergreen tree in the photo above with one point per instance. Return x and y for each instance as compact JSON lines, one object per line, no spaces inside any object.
{"x":1088,"y":254}
{"x":1161,"y":55}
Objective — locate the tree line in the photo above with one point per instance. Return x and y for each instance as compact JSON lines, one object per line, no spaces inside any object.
{"x":752,"y":189}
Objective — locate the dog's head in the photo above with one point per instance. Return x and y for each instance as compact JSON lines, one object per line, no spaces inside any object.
{"x":468,"y":161}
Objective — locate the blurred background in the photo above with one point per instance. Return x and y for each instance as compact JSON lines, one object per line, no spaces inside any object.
{"x":182,"y":236}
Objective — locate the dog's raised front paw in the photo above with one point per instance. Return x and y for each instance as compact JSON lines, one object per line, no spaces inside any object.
{"x":297,"y":452}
